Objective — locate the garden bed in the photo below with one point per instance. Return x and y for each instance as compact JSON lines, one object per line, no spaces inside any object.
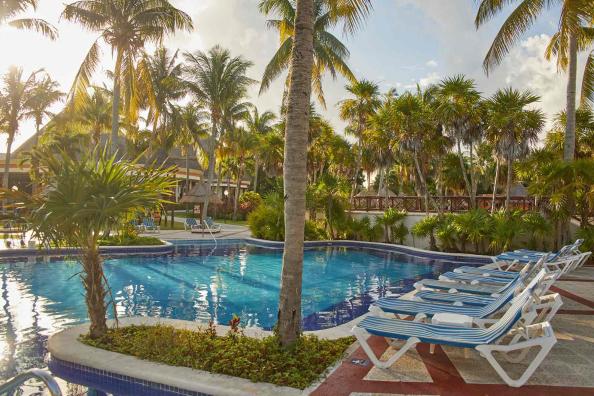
{"x":234,"y":354}
{"x":128,"y":241}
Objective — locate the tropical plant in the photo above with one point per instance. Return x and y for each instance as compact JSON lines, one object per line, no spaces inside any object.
{"x":538,"y":228}
{"x":564,"y":44}
{"x":301,"y":64}
{"x":357,"y":111}
{"x":330,"y":54}
{"x":16,"y":99}
{"x":584,"y":133}
{"x":426,"y":228}
{"x":218,"y":83}
{"x":259,"y":125}
{"x":506,"y":228}
{"x":472,"y":226}
{"x":330,"y":192}
{"x":512,"y":129}
{"x":126,"y":26}
{"x":392,"y":221}
{"x":458,"y":108}
{"x":85,"y":198}
{"x":11,"y":8}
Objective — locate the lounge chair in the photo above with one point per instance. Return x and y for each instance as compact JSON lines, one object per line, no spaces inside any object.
{"x":524,"y":256}
{"x":426,"y":309}
{"x":191,"y":224}
{"x":517,"y":323}
{"x":485,"y":271}
{"x":150,"y":226}
{"x":453,"y":276}
{"x":214,"y":227}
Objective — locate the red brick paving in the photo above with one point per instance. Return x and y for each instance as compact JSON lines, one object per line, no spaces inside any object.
{"x":348,"y":377}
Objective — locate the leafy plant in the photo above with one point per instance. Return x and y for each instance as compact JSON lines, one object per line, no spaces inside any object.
{"x":427,"y":228}
{"x":394,"y":228}
{"x":249,"y":201}
{"x":507,"y":226}
{"x":537,"y":227}
{"x":472,"y":226}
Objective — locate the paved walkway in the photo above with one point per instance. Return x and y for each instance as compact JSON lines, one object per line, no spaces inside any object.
{"x":228,"y":231}
{"x":567,"y":370}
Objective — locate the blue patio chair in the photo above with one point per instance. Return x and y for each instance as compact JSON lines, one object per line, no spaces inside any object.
{"x":150,"y":226}
{"x":191,"y":224}
{"x":214,"y":227}
{"x":486,"y":340}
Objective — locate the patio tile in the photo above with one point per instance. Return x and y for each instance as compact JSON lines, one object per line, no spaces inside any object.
{"x":409,"y":368}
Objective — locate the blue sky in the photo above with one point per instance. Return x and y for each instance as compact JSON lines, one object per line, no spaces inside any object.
{"x":403,"y":42}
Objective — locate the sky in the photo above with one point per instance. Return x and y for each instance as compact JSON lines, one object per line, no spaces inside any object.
{"x":403,"y":42}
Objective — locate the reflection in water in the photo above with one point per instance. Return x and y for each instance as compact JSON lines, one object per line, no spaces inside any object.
{"x":197,"y":283}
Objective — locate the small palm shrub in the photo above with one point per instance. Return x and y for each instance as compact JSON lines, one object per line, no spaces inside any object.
{"x":507,"y":227}
{"x":587,"y":233}
{"x":394,"y":228}
{"x":538,"y":228}
{"x":446,"y":233}
{"x":426,"y":228}
{"x":472,"y":227}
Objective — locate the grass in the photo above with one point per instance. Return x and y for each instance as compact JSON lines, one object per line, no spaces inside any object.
{"x":259,"y":360}
{"x":128,"y":241}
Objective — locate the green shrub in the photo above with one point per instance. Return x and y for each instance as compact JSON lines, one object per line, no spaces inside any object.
{"x":130,"y":241}
{"x":249,"y":201}
{"x":259,"y":360}
{"x":426,"y":228}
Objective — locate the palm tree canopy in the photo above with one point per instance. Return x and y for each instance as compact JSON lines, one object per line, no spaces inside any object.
{"x":11,"y":8}
{"x":126,"y":26}
{"x":44,"y":94}
{"x":330,"y":54}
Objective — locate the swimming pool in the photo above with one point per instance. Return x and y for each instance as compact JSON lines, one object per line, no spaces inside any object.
{"x":200,"y":282}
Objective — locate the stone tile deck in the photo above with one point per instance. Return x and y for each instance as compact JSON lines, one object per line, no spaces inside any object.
{"x":568,"y":370}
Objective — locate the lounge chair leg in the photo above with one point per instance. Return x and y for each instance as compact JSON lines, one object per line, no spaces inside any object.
{"x":361,"y":335}
{"x":545,"y":342}
{"x":432,"y":349}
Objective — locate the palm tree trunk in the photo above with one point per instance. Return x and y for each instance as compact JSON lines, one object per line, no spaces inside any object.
{"x":256,"y":172}
{"x":210,"y":171}
{"x":187,"y":168}
{"x":473,"y":184}
{"x":356,"y":174}
{"x":237,"y":188}
{"x":34,"y":160}
{"x":495,"y":185}
{"x":569,"y":146}
{"x":509,"y":183}
{"x":463,"y":167}
{"x":295,"y":174}
{"x":95,"y":292}
{"x":422,"y":180}
{"x":115,"y":109}
{"x":7,"y":160}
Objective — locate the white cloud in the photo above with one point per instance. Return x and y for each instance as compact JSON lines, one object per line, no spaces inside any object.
{"x":431,"y":63}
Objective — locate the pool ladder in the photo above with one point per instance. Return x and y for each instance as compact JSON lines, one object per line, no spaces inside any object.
{"x":211,"y":234}
{"x":9,"y":388}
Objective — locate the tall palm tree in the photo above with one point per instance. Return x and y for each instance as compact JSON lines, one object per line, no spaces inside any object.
{"x":259,"y":125}
{"x":95,"y":112}
{"x":566,"y":41}
{"x":330,"y":54}
{"x":218,"y":83}
{"x":357,"y":111}
{"x":11,"y":8}
{"x":16,"y":98}
{"x":295,"y":157}
{"x":512,"y":128}
{"x":44,"y":94}
{"x":126,"y":26}
{"x":458,"y":108}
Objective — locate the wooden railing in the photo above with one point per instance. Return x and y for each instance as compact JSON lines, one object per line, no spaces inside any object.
{"x":447,"y":203}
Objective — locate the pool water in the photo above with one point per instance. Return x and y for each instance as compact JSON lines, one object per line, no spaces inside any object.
{"x":198,"y":282}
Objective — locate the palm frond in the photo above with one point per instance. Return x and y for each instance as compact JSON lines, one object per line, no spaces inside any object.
{"x":38,"y":25}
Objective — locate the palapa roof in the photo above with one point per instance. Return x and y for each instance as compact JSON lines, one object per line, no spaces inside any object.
{"x":198,"y":195}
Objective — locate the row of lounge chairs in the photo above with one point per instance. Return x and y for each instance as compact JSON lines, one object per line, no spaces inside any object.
{"x":147,"y":225}
{"x":192,"y":225}
{"x":492,"y":309}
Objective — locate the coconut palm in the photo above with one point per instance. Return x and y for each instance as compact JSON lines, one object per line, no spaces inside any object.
{"x":458,"y":108}
{"x":87,"y":197}
{"x":427,"y":227}
{"x":11,"y":8}
{"x":584,"y":133}
{"x":44,"y":94}
{"x":295,"y":168}
{"x":513,"y":128}
{"x":259,"y":125}
{"x":94,"y":112}
{"x":16,"y":98}
{"x":564,"y":44}
{"x":218,"y":83}
{"x":126,"y":26}
{"x":330,"y":55}
{"x":357,"y":112}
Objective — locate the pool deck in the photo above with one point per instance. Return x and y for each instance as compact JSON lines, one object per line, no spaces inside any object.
{"x":567,"y":370}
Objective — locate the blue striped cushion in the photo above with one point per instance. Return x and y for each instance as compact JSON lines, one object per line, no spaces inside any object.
{"x":480,"y":270}
{"x":467,"y":299}
{"x":465,"y":288}
{"x":474,"y":277}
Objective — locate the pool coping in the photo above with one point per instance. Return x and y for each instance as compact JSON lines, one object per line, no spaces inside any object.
{"x":64,"y":346}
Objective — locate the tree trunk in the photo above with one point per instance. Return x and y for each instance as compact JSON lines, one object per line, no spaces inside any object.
{"x":115,"y":109}
{"x":256,"y":171}
{"x":95,"y":292}
{"x":508,"y":183}
{"x":473,"y":183}
{"x":34,"y":160}
{"x":463,"y":167}
{"x":187,"y":168}
{"x":495,"y":185}
{"x":237,"y":188}
{"x":9,"y":142}
{"x":210,"y":171}
{"x":422,"y":180}
{"x":295,"y":174}
{"x":569,"y":145}
{"x":357,"y":167}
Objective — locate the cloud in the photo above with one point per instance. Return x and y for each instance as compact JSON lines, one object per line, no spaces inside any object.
{"x":431,"y":63}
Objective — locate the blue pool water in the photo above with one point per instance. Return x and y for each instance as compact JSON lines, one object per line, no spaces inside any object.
{"x":198,"y":282}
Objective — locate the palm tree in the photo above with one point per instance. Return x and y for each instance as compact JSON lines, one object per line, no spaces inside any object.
{"x":458,"y":104}
{"x":44,"y":94}
{"x":16,"y":98}
{"x":11,"y":8}
{"x":126,"y":26}
{"x":357,"y":111}
{"x":295,"y":158}
{"x":218,"y":83}
{"x":584,"y":132}
{"x":565,"y":43}
{"x":259,"y":126}
{"x":329,"y":53}
{"x":87,"y":197}
{"x":94,"y":112}
{"x":512,"y":127}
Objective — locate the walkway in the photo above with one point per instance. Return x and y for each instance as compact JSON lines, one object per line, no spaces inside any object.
{"x":566,"y":371}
